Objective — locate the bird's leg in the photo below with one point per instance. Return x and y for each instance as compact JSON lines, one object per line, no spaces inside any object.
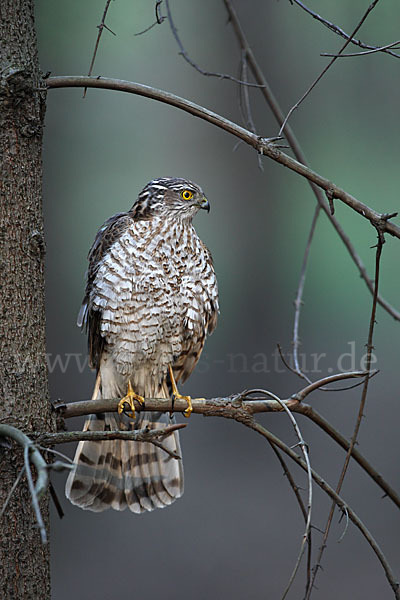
{"x":129,"y":398}
{"x":177,"y":396}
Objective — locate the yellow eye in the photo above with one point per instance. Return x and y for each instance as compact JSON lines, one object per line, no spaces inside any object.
{"x":187,"y":195}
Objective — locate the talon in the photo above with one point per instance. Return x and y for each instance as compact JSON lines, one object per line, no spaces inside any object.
{"x":177,"y":396}
{"x":188,"y":411}
{"x":128,"y":399}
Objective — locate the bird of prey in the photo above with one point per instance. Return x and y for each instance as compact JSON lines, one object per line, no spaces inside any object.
{"x":151,"y":299}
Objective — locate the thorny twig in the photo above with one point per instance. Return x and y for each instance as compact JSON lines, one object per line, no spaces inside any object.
{"x":159,"y":19}
{"x":392,"y":45}
{"x":185,"y":55}
{"x":335,"y":497}
{"x":299,"y":499}
{"x":299,"y":296}
{"x":340,"y":31}
{"x":328,"y":66}
{"x":100,"y":27}
{"x":353,"y":440}
{"x":271,"y":100}
{"x":304,"y":450}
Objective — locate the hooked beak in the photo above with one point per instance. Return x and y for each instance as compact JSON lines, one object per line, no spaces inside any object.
{"x":204,"y":204}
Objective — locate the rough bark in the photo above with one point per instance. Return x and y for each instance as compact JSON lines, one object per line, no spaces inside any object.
{"x":24,"y":402}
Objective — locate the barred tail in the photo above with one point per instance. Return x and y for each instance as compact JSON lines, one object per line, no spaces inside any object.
{"x":120,"y":473}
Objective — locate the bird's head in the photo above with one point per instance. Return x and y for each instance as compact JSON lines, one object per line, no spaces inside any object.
{"x":170,"y":197}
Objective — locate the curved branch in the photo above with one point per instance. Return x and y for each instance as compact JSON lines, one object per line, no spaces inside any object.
{"x":262,"y":145}
{"x":309,"y":412}
{"x":298,"y":152}
{"x":34,"y":455}
{"x":335,"y":497}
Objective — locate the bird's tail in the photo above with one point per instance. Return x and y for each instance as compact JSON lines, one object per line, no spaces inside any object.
{"x":119,"y":473}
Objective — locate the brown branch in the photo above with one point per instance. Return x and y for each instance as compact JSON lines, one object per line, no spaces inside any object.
{"x":224,"y":407}
{"x":100,"y":27}
{"x":250,"y":422}
{"x":340,"y":31}
{"x":310,"y":413}
{"x":152,"y":436}
{"x":300,"y":502}
{"x":328,"y":66}
{"x":272,"y":102}
{"x":360,"y":411}
{"x":262,"y":145}
{"x":304,"y":450}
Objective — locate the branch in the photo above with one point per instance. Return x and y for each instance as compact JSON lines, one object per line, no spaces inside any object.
{"x":328,"y":66}
{"x":310,"y":413}
{"x":353,"y":440}
{"x":262,"y":145}
{"x":335,"y":497}
{"x":392,"y":45}
{"x":142,"y":435}
{"x":216,"y":407}
{"x":33,"y":455}
{"x":340,"y":31}
{"x":298,"y":152}
{"x":185,"y":55}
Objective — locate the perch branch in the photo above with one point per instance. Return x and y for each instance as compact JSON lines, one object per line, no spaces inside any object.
{"x":261,"y":144}
{"x":225,"y":407}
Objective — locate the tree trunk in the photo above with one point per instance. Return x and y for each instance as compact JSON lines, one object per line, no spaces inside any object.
{"x":24,"y":402}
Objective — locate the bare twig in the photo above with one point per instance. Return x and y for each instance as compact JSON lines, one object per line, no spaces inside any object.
{"x":34,"y":495}
{"x":360,"y":411}
{"x":244,"y":103}
{"x":309,"y":412}
{"x":142,"y":435}
{"x":100,"y":27}
{"x":392,"y":45}
{"x":271,"y":100}
{"x":335,"y":497}
{"x":159,"y":19}
{"x":262,"y":145}
{"x":340,"y":31}
{"x":328,"y":66}
{"x":299,"y":499}
{"x":304,"y":450}
{"x":299,"y":296}
{"x":185,"y":55}
{"x":34,"y":455}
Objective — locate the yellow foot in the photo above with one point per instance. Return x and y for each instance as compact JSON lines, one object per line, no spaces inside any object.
{"x":177,"y":396}
{"x":128,"y":399}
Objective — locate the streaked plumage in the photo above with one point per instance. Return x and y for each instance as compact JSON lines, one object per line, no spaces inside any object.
{"x":151,"y":299}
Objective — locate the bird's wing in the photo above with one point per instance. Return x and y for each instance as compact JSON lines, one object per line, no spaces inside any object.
{"x":90,"y":318}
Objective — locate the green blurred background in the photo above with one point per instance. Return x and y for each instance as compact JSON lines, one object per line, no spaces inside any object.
{"x":237,"y":530}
